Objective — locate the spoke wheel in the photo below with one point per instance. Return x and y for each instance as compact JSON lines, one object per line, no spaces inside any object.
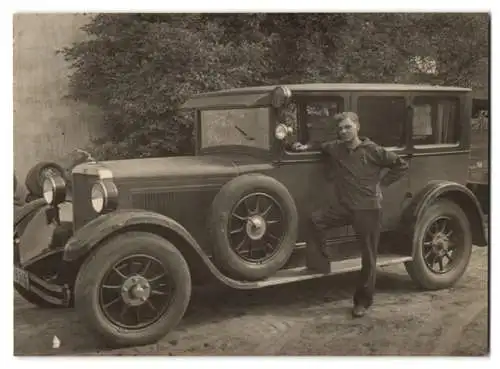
{"x":257,"y":227}
{"x":136,"y":292}
{"x":442,"y":246}
{"x":133,"y":289}
{"x":253,"y":227}
{"x":443,"y":243}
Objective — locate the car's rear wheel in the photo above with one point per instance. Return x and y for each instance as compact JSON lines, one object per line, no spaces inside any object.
{"x":253,"y":225}
{"x":442,"y":244}
{"x":133,"y":289}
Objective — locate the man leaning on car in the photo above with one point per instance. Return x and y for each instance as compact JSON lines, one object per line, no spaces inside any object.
{"x":358,"y":163}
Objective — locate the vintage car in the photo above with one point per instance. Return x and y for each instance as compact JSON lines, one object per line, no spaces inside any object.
{"x":479,"y":177}
{"x":145,"y":231}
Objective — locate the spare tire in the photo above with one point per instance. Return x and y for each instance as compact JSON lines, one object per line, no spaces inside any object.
{"x":35,"y":176}
{"x":253,"y":227}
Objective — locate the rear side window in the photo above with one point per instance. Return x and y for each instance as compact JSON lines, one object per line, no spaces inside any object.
{"x":435,"y":121}
{"x":382,"y":119}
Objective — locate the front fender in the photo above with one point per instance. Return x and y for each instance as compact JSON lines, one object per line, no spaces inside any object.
{"x":453,"y":191}
{"x":28,"y":210}
{"x":98,"y":230}
{"x":37,"y":228}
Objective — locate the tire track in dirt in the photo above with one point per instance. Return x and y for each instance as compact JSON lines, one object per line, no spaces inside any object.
{"x":400,"y":323}
{"x":274,"y":345}
{"x":450,"y":338}
{"x":310,"y":318}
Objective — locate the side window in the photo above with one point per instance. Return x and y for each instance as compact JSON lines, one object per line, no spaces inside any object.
{"x":318,"y":116}
{"x":383,"y":119}
{"x":435,"y":121}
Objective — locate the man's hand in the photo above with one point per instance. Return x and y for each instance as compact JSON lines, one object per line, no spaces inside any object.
{"x":297,"y":146}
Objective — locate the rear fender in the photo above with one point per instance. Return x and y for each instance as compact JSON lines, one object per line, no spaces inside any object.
{"x":95,"y":233}
{"x":455,"y":192}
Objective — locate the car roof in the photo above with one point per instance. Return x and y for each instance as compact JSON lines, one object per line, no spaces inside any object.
{"x":262,"y":95}
{"x":313,"y":87}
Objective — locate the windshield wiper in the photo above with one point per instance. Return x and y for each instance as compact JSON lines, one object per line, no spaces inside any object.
{"x":249,"y":138}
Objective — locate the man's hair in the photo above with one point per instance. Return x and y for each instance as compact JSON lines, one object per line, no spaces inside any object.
{"x":349,"y":115}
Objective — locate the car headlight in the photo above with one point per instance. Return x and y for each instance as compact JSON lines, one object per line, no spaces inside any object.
{"x":104,"y":196}
{"x":54,"y":190}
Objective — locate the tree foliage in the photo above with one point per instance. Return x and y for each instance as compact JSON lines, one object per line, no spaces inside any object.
{"x":139,"y":68}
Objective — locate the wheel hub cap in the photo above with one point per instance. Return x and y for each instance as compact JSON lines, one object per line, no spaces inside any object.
{"x":135,"y":290}
{"x":440,"y":243}
{"x":256,"y":227}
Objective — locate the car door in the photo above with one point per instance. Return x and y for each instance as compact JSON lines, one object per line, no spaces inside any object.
{"x":439,"y":143}
{"x":384,"y":118}
{"x":306,"y":174}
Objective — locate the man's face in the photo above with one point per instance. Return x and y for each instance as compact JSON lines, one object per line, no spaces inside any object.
{"x":347,"y":130}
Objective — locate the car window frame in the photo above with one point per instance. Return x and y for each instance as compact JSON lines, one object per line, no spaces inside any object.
{"x":311,"y":155}
{"x":199,"y":150}
{"x":405,"y":146}
{"x":443,"y":148}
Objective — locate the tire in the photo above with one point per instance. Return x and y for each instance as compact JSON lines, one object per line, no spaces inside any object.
{"x":90,"y":297}
{"x":33,"y":178}
{"x":418,"y":268}
{"x":226,"y":218}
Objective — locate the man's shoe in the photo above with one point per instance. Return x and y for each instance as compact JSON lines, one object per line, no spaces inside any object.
{"x":358,"y":311}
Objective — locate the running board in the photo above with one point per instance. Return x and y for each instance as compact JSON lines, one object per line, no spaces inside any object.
{"x":336,"y":267}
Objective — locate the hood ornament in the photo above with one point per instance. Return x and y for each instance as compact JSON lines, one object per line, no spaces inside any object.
{"x":89,"y":157}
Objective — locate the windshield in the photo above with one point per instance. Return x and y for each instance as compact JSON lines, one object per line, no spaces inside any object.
{"x":244,"y":127}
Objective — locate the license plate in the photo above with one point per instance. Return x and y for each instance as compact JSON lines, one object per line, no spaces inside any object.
{"x":21,"y":277}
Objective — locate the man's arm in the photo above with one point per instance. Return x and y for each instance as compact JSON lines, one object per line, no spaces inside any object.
{"x":313,"y":146}
{"x":397,"y":166}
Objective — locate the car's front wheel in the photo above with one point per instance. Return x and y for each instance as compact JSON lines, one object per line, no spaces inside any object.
{"x":442,"y":244}
{"x":133,"y":289}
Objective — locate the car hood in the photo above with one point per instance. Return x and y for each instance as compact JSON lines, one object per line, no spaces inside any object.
{"x":179,"y":166}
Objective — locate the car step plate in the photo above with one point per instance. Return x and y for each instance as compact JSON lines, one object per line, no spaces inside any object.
{"x":336,"y":267}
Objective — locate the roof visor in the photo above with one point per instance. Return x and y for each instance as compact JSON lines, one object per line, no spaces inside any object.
{"x":234,"y":99}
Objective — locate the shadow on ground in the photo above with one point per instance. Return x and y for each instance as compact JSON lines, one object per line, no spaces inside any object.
{"x":210,"y":304}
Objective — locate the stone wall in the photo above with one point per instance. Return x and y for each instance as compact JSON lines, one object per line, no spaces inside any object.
{"x":46,"y":125}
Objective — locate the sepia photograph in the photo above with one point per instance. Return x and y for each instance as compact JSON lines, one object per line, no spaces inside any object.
{"x":251,"y":184}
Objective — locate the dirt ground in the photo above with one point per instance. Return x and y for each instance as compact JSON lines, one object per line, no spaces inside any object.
{"x":306,"y":318}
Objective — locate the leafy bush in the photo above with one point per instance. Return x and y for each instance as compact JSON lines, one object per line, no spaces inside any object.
{"x":139,"y":68}
{"x":140,"y":71}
